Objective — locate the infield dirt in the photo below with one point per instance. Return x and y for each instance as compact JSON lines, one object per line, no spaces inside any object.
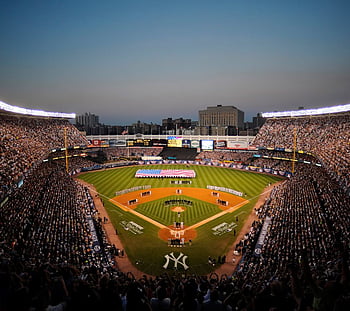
{"x":158,"y":193}
{"x":168,"y":232}
{"x":124,"y":264}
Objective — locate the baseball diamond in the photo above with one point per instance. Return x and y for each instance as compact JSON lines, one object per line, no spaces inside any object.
{"x":188,"y":226}
{"x":262,"y":224}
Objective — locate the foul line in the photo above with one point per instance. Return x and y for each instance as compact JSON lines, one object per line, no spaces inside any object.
{"x":130,"y":210}
{"x":230,"y":210}
{"x":198,"y":224}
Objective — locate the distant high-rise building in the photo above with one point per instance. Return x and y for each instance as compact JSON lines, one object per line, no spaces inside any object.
{"x":174,"y":124}
{"x":258,"y":121}
{"x":87,"y":120}
{"x":222,"y":116}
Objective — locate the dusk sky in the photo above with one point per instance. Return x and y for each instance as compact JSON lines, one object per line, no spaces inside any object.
{"x":149,"y":60}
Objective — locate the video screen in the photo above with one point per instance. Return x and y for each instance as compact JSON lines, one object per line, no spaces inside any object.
{"x":207,"y":144}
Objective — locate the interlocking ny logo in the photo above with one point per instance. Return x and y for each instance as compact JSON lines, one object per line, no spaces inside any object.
{"x":176,"y":260}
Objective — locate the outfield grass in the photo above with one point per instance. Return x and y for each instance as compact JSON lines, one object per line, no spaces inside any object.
{"x":146,"y":249}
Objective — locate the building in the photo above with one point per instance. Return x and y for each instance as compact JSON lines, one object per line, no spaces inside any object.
{"x":258,"y":121}
{"x":221,"y":116}
{"x":144,"y":128}
{"x":176,"y":125}
{"x":87,"y":120}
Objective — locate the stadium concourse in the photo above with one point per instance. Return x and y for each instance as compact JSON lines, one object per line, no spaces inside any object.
{"x":295,"y":256}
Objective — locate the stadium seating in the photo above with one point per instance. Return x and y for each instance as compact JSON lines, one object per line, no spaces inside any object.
{"x":26,"y":141}
{"x":326,"y":137}
{"x":54,"y":253}
{"x":117,"y":153}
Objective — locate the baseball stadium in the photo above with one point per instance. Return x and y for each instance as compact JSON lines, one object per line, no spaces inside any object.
{"x":260,"y":220}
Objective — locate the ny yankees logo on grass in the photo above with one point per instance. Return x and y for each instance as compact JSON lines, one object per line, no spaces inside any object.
{"x":176,"y":261}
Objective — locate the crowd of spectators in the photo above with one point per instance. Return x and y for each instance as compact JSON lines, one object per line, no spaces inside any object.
{"x":75,"y":163}
{"x":271,"y":163}
{"x":303,"y":265}
{"x":50,"y":223}
{"x":274,"y":154}
{"x":26,"y":141}
{"x":326,"y":137}
{"x":47,"y":219}
{"x":117,"y":153}
{"x":54,"y":254}
{"x":307,"y":242}
{"x":47,"y":258}
{"x":226,"y":155}
{"x":271,"y":159}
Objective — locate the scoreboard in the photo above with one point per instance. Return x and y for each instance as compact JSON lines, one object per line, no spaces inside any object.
{"x":175,"y":143}
{"x":139,"y":142}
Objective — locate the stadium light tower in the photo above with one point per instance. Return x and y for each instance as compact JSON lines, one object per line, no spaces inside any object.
{"x":294,"y":149}
{"x":66,"y":149}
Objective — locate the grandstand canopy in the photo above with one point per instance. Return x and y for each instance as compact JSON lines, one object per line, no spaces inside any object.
{"x":307,"y":112}
{"x":33,"y":112}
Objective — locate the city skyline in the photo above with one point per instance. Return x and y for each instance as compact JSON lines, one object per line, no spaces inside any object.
{"x":149,"y":60}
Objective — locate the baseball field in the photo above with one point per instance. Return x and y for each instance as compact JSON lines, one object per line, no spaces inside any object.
{"x":168,"y":224}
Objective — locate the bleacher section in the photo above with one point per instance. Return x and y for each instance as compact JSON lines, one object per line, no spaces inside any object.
{"x":26,"y":141}
{"x":326,"y":137}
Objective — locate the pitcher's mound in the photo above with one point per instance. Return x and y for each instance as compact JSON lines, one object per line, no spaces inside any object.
{"x":178,"y":209}
{"x":165,"y":234}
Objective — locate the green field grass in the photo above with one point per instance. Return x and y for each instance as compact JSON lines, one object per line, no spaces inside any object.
{"x":198,"y":211}
{"x":146,"y":251}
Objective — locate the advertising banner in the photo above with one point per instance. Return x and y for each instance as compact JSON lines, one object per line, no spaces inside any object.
{"x":96,"y":142}
{"x":104,"y":143}
{"x":186,"y":143}
{"x":120,"y":142}
{"x":159,"y":142}
{"x":207,"y":144}
{"x":237,"y":144}
{"x":220,"y":144}
{"x":175,"y":143}
{"x":112,"y":142}
{"x":195,"y":144}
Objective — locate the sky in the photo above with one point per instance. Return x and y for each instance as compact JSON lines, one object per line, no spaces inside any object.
{"x":150,"y":60}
